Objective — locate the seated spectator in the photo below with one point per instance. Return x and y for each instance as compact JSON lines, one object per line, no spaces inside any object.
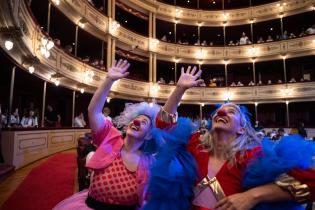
{"x":204,"y":43}
{"x":302,"y":131}
{"x":239,"y":84}
{"x":237,"y":43}
{"x":15,"y":118}
{"x":292,"y":36}
{"x":106,"y":113}
{"x":233,"y":84}
{"x":197,"y":43}
{"x":211,"y":44}
{"x":86,"y":59}
{"x":279,"y":81}
{"x":161,"y":81}
{"x":284,"y":36}
{"x":244,"y":39}
{"x":282,"y":133}
{"x":3,"y":120}
{"x":171,"y":82}
{"x":101,"y":65}
{"x":179,"y":42}
{"x":269,"y":39}
{"x":29,"y":121}
{"x":260,"y":40}
{"x":292,"y":80}
{"x":91,"y":2}
{"x":269,"y":82}
{"x":212,"y":83}
{"x":302,"y":33}
{"x":259,"y":82}
{"x":164,"y":38}
{"x":79,"y":121}
{"x":251,"y":83}
{"x":310,"y":30}
{"x":101,"y":9}
{"x":68,"y":49}
{"x":302,"y":80}
{"x":95,"y":62}
{"x":202,"y":84}
{"x":278,"y":38}
{"x":231,"y":43}
{"x":57,"y":42}
{"x":51,"y":117}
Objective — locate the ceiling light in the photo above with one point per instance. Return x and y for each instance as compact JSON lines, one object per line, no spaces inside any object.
{"x":8,"y":44}
{"x":82,"y":90}
{"x":57,"y":81}
{"x":31,"y":69}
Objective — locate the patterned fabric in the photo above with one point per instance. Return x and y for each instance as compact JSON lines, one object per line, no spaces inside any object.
{"x":114,"y":184}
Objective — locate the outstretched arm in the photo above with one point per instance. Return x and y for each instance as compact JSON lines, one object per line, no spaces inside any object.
{"x":116,"y":72}
{"x":249,"y":199}
{"x":187,"y":80}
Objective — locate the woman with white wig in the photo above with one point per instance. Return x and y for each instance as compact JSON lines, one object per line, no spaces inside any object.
{"x":119,"y":166}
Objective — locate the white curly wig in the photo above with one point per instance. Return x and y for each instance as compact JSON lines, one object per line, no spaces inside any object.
{"x":131,"y":111}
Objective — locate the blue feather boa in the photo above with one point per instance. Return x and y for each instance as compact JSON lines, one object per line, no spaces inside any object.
{"x":277,"y":158}
{"x":174,"y":172}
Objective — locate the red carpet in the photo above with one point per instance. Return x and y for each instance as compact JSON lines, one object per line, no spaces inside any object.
{"x":45,"y":185}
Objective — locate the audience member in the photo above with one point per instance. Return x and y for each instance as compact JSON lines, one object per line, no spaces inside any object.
{"x":269,"y":82}
{"x":279,"y":81}
{"x":292,"y":36}
{"x":251,"y":83}
{"x":15,"y":118}
{"x":292,"y":80}
{"x":302,"y":131}
{"x":51,"y":117}
{"x":269,"y":39}
{"x":259,"y":82}
{"x":30,"y":120}
{"x":161,"y":81}
{"x":233,"y":84}
{"x":310,"y":30}
{"x":285,"y":36}
{"x":260,"y":40}
{"x":68,"y":49}
{"x":231,"y":43}
{"x":164,"y":38}
{"x":79,"y":121}
{"x":239,"y":84}
{"x":244,"y":39}
{"x":204,"y":43}
{"x":171,"y":82}
{"x":106,"y":113}
{"x":212,"y":83}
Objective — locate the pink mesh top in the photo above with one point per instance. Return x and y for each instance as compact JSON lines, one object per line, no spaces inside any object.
{"x":114,"y":184}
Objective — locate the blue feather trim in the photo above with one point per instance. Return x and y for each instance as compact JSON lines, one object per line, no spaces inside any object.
{"x":277,"y":158}
{"x":174,"y":173}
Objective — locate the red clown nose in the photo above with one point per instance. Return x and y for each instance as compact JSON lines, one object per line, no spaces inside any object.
{"x":136,"y":122}
{"x":221,"y":112}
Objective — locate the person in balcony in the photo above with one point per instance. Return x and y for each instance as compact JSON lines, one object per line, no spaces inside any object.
{"x":269,"y":39}
{"x":238,"y":171}
{"x":164,"y":39}
{"x":68,"y":49}
{"x":302,"y":33}
{"x":239,"y":84}
{"x":231,"y":43}
{"x":161,"y":81}
{"x":292,"y":80}
{"x":171,"y":82}
{"x":30,"y":120}
{"x":15,"y":118}
{"x":197,"y":43}
{"x":310,"y":30}
{"x":79,"y":121}
{"x":269,"y":82}
{"x":51,"y":117}
{"x":292,"y":36}
{"x":260,"y":40}
{"x":204,"y":43}
{"x":279,"y":81}
{"x":106,"y":113}
{"x":285,"y":35}
{"x":260,"y":82}
{"x":233,"y":84}
{"x":251,"y":83}
{"x":244,"y":39}
{"x":212,"y":83}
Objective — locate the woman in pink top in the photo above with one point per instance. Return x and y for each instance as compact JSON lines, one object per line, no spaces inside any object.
{"x":120,"y":166}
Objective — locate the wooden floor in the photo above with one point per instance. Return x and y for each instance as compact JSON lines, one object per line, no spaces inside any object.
{"x":8,"y":186}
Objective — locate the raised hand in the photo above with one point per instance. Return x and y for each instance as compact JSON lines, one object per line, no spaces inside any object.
{"x":118,"y":70}
{"x":189,"y":78}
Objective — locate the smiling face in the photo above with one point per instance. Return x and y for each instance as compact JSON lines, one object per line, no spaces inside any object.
{"x":228,"y":118}
{"x":139,"y":127}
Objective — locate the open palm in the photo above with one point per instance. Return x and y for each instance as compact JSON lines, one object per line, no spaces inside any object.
{"x":189,"y":78}
{"x":118,"y":70}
